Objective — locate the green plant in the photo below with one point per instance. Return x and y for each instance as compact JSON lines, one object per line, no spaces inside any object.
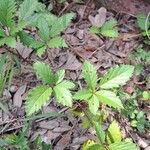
{"x":53,"y":85}
{"x":143,"y":24}
{"x":131,"y":111}
{"x":141,"y":60}
{"x":101,"y":92}
{"x":112,"y":140}
{"x":31,"y":13}
{"x":108,"y":29}
{"x":7,"y":63}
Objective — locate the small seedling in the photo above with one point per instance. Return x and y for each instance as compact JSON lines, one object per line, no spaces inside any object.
{"x":96,"y":92}
{"x":112,"y":140}
{"x":108,"y":29}
{"x":53,"y":85}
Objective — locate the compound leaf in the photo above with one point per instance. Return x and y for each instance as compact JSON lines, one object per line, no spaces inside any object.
{"x":109,"y":98}
{"x":89,"y":73}
{"x":37,"y":98}
{"x":117,"y":76}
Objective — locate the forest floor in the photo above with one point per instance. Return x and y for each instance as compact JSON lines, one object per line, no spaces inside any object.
{"x":66,"y":132}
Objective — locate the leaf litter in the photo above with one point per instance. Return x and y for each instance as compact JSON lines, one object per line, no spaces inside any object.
{"x":103,"y":52}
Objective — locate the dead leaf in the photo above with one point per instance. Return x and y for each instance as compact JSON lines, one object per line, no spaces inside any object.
{"x":23,"y":51}
{"x":17,"y":99}
{"x":64,"y":141}
{"x":62,"y":129}
{"x":100,"y":18}
{"x":49,"y":124}
{"x":51,"y":135}
{"x":72,"y":63}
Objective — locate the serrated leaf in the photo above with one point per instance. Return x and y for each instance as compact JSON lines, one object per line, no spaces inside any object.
{"x":51,"y":18}
{"x":67,"y":84}
{"x":117,"y":76}
{"x":29,"y":41}
{"x":2,"y":33}
{"x":89,"y":73}
{"x":83,"y":94}
{"x":63,"y":95}
{"x":114,"y":133}
{"x":37,"y":98}
{"x":40,"y":51}
{"x":91,"y":145}
{"x":27,"y":9}
{"x":7,"y":9}
{"x":17,"y":28}
{"x":60,"y":76}
{"x":95,"y":30}
{"x":2,"y":41}
{"x":43,"y":29}
{"x":99,"y":131}
{"x":109,"y":98}
{"x":141,"y":20}
{"x":123,"y":146}
{"x":44,"y":72}
{"x":10,"y":41}
{"x":60,"y":24}
{"x":56,"y":42}
{"x":109,"y":29}
{"x":93,"y":103}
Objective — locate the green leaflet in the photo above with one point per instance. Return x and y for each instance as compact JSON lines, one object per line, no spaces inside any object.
{"x":99,"y":132}
{"x":37,"y":98}
{"x":95,"y":30}
{"x":44,"y":72}
{"x":109,"y":29}
{"x":89,"y":73}
{"x":114,"y":133}
{"x":7,"y":9}
{"x":56,"y":42}
{"x":91,"y":145}
{"x":109,"y":98}
{"x":67,"y":84}
{"x":123,"y":146}
{"x":43,"y":29}
{"x":59,"y":76}
{"x":83,"y":94}
{"x":40,"y":51}
{"x":93,"y":103}
{"x":63,"y":95}
{"x":17,"y":141}
{"x":27,"y":9}
{"x":116,"y":76}
{"x":141,"y":20}
{"x":29,"y":41}
{"x":10,"y":41}
{"x":2,"y":33}
{"x":60,"y":24}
